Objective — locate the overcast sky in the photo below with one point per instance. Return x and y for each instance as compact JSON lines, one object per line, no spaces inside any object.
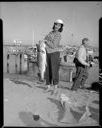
{"x":22,"y":19}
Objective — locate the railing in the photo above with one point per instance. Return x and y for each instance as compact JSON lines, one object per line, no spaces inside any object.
{"x":19,"y":53}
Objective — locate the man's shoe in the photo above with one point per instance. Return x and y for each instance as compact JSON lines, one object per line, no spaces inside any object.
{"x":73,"y":89}
{"x":82,"y":87}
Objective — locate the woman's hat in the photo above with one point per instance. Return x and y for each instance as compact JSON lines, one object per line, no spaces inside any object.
{"x":59,"y":21}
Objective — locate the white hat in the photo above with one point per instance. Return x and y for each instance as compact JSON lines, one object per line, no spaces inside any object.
{"x":59,"y":21}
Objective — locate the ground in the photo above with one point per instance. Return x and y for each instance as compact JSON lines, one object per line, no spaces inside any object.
{"x":24,"y":98}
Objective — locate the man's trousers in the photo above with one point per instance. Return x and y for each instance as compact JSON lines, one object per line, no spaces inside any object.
{"x":80,"y":78}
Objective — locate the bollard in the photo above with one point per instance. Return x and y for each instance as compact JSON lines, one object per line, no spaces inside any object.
{"x":8,"y":57}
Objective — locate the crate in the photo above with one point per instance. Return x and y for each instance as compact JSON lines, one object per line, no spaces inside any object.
{"x":66,"y":72}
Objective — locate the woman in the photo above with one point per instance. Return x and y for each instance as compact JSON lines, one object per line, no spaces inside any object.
{"x":52,"y":41}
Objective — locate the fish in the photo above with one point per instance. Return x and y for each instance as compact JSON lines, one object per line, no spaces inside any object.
{"x":41,"y":59}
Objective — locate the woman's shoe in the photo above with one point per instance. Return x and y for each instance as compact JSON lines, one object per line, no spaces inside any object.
{"x":55,"y":91}
{"x":48,"y":89}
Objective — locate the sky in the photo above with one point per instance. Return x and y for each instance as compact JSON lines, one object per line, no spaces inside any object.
{"x":31,"y":21}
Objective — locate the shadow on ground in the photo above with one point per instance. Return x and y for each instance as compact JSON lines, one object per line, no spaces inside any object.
{"x":28,"y":119}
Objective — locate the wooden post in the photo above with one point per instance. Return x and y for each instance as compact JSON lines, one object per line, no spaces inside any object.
{"x":28,"y":64}
{"x":16,"y":63}
{"x":20,"y":63}
{"x":8,"y":57}
{"x":65,"y":58}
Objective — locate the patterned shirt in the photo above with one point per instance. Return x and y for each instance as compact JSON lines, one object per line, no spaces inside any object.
{"x":52,"y":41}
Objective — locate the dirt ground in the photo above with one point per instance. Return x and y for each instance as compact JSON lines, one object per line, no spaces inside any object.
{"x":24,"y":98}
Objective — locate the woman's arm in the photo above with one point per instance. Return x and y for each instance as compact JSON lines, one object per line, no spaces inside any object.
{"x":52,"y":42}
{"x":48,"y":41}
{"x":49,"y":44}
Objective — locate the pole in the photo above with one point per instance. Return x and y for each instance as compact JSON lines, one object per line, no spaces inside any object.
{"x":33,"y":37}
{"x":72,"y":38}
